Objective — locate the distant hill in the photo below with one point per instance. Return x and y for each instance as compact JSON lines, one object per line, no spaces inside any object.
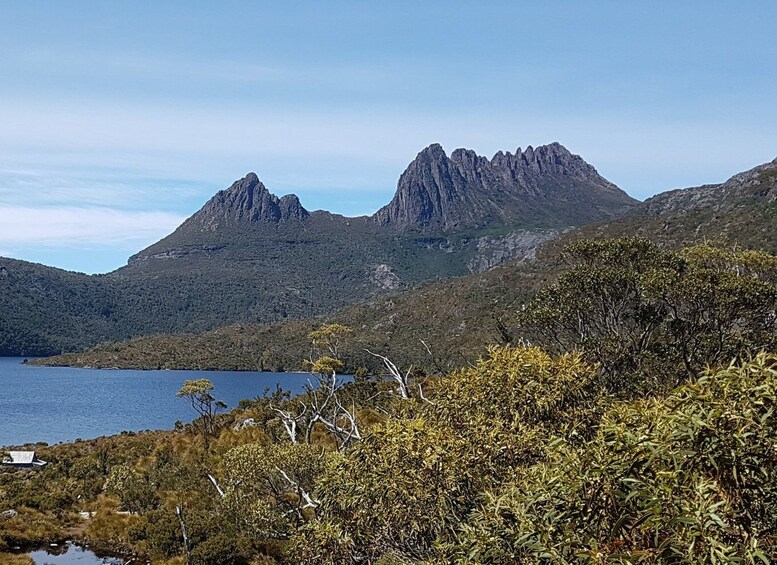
{"x":249,"y":256}
{"x":741,"y":211}
{"x":458,"y":318}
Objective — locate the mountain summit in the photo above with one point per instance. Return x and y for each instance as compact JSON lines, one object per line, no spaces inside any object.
{"x":544,"y":186}
{"x":250,"y":256}
{"x":247,"y":201}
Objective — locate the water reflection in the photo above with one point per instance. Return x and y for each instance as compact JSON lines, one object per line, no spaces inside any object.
{"x":71,"y":555}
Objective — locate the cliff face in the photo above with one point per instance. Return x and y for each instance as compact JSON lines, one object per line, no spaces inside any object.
{"x":466,"y":190}
{"x":248,"y":201}
{"x":250,"y":256}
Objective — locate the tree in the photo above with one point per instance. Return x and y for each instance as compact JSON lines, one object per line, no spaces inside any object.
{"x":723,"y":305}
{"x":199,"y":394}
{"x":134,"y":489}
{"x":330,"y":338}
{"x":652,"y":318}
{"x":268,"y":487}
{"x":321,"y":403}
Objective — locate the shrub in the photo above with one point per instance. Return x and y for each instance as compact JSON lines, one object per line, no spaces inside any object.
{"x":691,"y":478}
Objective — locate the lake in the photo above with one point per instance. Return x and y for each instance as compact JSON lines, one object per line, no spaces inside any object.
{"x":70,"y":555}
{"x":60,"y":404}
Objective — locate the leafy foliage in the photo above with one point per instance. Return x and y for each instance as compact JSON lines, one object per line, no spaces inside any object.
{"x":266,"y":486}
{"x":409,"y":484}
{"x":199,"y":394}
{"x":650,"y":317}
{"x":630,"y":437}
{"x":690,"y":478}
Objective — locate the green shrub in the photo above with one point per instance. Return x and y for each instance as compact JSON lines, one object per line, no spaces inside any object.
{"x":687,"y":479}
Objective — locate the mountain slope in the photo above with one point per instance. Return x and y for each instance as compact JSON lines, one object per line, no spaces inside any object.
{"x":546,"y":186}
{"x":41,"y":306}
{"x":458,"y":318}
{"x":250,"y":256}
{"x":740,"y":211}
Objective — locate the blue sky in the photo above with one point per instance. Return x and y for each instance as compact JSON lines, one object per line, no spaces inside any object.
{"x":120,"y":119}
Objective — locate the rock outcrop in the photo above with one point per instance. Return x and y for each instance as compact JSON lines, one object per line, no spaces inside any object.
{"x":546,"y":185}
{"x":759,"y":184}
{"x":248,"y":201}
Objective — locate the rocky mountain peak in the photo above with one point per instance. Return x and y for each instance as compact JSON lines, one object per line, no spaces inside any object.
{"x":249,"y":201}
{"x":468,"y":190}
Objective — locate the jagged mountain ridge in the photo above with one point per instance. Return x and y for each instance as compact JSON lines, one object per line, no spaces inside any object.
{"x":459,"y":317}
{"x":463,"y":191}
{"x":466,"y":190}
{"x":251,"y":256}
{"x":547,"y":188}
{"x":248,"y":200}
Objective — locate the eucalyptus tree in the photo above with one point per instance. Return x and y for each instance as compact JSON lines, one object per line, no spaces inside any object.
{"x":199,"y":394}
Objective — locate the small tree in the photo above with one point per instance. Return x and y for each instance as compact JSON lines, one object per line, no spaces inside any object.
{"x":321,"y":404}
{"x":199,"y":394}
{"x":268,"y":489}
{"x":330,"y":338}
{"x":134,"y":489}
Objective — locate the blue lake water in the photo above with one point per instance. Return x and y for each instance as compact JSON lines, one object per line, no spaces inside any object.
{"x":70,"y":555}
{"x":59,"y":404}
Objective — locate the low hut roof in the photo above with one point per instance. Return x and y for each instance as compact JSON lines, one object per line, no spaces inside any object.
{"x":21,"y":457}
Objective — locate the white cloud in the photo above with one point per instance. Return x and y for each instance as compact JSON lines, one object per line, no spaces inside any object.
{"x":62,"y":227}
{"x":349,"y":149}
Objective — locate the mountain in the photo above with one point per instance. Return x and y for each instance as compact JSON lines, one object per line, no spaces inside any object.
{"x":741,"y":211}
{"x":548,"y":186}
{"x":458,"y":318}
{"x":252,"y":257}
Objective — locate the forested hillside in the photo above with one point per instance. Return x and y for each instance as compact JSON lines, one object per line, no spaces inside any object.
{"x":456,"y":319}
{"x":638,"y":428}
{"x":249,"y":256}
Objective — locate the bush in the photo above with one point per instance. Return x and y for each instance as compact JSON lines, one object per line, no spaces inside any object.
{"x":409,"y":484}
{"x":651,"y":318}
{"x":216,"y":550}
{"x":691,"y":478}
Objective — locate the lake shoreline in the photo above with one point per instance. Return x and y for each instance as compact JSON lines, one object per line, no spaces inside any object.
{"x":52,"y":551}
{"x":55,"y":405}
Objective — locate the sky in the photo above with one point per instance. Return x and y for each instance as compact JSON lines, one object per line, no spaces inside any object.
{"x":120,"y":119}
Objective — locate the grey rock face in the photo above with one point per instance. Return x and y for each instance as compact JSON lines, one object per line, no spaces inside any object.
{"x":384,"y":277}
{"x":8,"y":514}
{"x":471,"y":191}
{"x":757,"y":183}
{"x":177,"y":253}
{"x":521,"y":244}
{"x":249,"y":201}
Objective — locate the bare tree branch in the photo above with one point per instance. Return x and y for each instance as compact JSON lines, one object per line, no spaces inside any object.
{"x":396,"y":374}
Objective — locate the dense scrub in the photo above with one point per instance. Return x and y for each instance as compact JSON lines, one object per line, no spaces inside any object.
{"x":638,"y":427}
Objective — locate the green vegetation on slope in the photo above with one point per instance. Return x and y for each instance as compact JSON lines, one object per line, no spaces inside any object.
{"x":581,"y":449}
{"x":457,"y":318}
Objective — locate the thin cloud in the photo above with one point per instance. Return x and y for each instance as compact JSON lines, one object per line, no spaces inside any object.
{"x":93,"y":187}
{"x":89,"y":227}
